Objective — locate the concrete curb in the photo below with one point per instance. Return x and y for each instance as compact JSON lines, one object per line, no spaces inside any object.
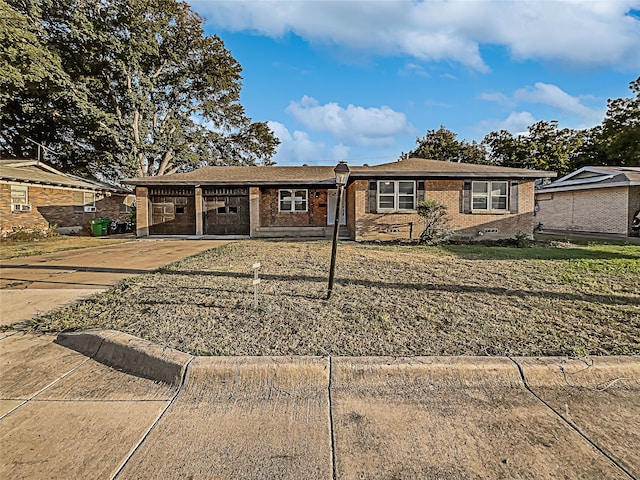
{"x":129,"y":354}
{"x":146,"y":359}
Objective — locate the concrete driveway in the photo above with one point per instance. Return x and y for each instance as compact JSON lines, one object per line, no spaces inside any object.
{"x":103,"y":404}
{"x":38,"y":284}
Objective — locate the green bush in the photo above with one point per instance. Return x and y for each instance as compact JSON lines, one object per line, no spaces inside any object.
{"x":22,"y":234}
{"x":436,"y":225}
{"x":522,"y":240}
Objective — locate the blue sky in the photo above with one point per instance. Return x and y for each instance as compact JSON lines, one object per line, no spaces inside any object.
{"x":360,"y":80}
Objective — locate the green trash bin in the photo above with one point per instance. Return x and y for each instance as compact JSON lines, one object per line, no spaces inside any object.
{"x":96,"y":227}
{"x":99,"y":227}
{"x":105,"y":226}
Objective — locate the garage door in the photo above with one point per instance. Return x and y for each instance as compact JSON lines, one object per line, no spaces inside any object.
{"x":173,"y":211}
{"x":226,"y":211}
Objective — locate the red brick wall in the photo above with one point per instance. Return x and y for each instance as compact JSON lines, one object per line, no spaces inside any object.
{"x":355,"y":196}
{"x":396,"y":225}
{"x":54,"y":206}
{"x":315,"y":216}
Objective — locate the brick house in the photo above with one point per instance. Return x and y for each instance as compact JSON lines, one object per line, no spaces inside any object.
{"x":380,"y":201}
{"x":35,"y":196}
{"x":591,"y":199}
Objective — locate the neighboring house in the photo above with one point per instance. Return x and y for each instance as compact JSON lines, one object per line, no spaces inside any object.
{"x":380,"y":201}
{"x":591,"y":199}
{"x":35,"y":196}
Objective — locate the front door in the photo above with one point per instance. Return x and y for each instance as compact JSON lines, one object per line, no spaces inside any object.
{"x":332,"y":196}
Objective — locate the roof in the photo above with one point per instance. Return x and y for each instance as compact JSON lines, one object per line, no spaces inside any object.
{"x":36,"y":172}
{"x":587,"y":178}
{"x":324,"y":175}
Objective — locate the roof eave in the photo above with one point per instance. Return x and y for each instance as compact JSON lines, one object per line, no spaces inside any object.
{"x":243,"y":183}
{"x":592,"y":186}
{"x":354,"y":175}
{"x":61,"y":184}
{"x":423,"y":174}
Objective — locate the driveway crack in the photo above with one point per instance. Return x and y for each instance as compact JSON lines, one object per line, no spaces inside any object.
{"x":569,"y":423}
{"x":179,"y":390}
{"x":331,"y":429}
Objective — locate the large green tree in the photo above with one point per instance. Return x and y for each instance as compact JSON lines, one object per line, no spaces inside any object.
{"x":38,"y":99}
{"x":443,"y":144}
{"x":620,"y":133}
{"x":155,"y":95}
{"x":543,"y":147}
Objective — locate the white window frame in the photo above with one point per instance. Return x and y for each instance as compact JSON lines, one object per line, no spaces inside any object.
{"x":489,"y":197}
{"x":396,"y":196}
{"x":91,"y":202}
{"x":88,"y":200}
{"x":292,"y":195}
{"x":21,"y":188}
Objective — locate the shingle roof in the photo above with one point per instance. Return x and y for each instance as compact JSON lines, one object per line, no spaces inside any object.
{"x":595,"y":177}
{"x":33,"y":171}
{"x":324,"y":175}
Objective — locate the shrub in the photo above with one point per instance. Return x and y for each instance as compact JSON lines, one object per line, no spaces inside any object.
{"x":23,"y":234}
{"x":436,"y":225}
{"x":522,"y":240}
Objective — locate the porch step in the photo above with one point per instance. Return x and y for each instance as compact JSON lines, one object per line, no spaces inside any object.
{"x":283,"y":232}
{"x":343,"y":232}
{"x":301,"y":232}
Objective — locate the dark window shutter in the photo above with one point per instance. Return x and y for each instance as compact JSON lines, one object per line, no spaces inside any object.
{"x":420,"y":192}
{"x":513,"y":198}
{"x":465,"y":204}
{"x":373,"y":187}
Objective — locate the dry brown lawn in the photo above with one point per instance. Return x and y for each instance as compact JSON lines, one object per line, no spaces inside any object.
{"x":388,"y":300}
{"x":40,"y":246}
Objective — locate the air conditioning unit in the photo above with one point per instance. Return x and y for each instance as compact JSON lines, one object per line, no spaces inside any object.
{"x":21,"y":207}
{"x":89,"y":209}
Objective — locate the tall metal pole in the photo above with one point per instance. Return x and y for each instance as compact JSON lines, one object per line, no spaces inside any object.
{"x":334,"y":248}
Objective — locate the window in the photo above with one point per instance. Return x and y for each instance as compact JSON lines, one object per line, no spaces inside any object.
{"x":19,"y":195}
{"x":128,"y":204}
{"x":489,"y":196}
{"x":396,"y":195}
{"x":227,"y":210}
{"x":83,"y":200}
{"x":293,"y":200}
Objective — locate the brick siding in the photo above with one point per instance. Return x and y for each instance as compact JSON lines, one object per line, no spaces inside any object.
{"x":397,"y":225}
{"x":634,"y":206}
{"x":315,"y":216}
{"x":602,"y":210}
{"x":55,"y":206}
{"x":364,"y":226}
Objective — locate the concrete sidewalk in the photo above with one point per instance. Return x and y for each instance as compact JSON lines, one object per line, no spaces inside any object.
{"x":38,"y":284}
{"x":103,"y":404}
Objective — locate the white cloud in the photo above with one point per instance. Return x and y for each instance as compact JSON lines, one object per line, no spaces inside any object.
{"x":340,"y":152}
{"x":296,"y":148}
{"x":554,"y":96}
{"x":411,"y":68}
{"x":516,"y":123}
{"x":589,"y":33}
{"x":547,"y":94}
{"x":351,"y":125}
{"x":499,"y":98}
